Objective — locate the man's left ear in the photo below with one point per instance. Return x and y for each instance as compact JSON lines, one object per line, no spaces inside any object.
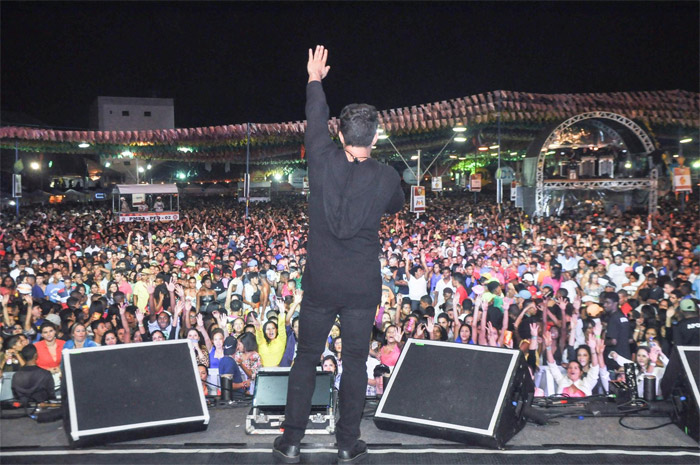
{"x":374,"y":141}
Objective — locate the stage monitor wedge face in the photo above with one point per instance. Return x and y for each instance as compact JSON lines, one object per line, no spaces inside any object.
{"x":129,"y":391}
{"x":459,"y":392}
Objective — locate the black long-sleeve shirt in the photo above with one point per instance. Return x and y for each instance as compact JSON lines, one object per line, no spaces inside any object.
{"x":346,"y":204}
{"x":33,"y":383}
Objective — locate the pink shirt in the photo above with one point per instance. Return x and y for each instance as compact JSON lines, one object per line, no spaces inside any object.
{"x":391,"y":358}
{"x":125,"y":287}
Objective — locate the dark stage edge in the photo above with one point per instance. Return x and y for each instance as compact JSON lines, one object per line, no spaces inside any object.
{"x":222,"y":454}
{"x":592,"y":440}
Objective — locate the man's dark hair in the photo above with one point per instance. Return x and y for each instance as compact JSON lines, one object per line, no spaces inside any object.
{"x":426,"y":300}
{"x":358,"y":123}
{"x":685,"y":288}
{"x":96,"y":323}
{"x":12,"y":340}
{"x":249,"y":342}
{"x":28,"y":352}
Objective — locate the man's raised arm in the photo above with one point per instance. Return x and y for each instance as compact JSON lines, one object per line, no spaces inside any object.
{"x":317,"y":138}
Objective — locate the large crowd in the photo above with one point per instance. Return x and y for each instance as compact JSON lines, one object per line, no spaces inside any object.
{"x":581,"y":295}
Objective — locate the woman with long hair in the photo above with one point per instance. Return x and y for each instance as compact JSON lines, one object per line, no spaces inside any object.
{"x":111,"y":289}
{"x":271,"y":341}
{"x":573,"y":384}
{"x":646,"y":364}
{"x":49,"y":348}
{"x":330,"y":364}
{"x":205,"y":295}
{"x":199,"y":347}
{"x":251,"y":292}
{"x":593,"y":287}
{"x":111,"y":338}
{"x":247,"y":357}
{"x":391,"y":349}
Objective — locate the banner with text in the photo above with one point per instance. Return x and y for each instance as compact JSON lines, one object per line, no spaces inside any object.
{"x":417,"y":199}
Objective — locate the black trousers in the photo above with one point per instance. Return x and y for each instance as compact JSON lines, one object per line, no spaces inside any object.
{"x":315,"y":323}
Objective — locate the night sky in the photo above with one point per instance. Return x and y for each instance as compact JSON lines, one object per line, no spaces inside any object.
{"x":228,"y":63}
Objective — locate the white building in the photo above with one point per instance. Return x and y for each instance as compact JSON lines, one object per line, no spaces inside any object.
{"x":132,"y":113}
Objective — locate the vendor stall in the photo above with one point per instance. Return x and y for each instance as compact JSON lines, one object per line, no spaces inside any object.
{"x":146,"y":202}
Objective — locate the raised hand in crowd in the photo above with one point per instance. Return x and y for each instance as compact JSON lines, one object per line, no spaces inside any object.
{"x":430,"y":325}
{"x":534,"y":336}
{"x":492,"y":335}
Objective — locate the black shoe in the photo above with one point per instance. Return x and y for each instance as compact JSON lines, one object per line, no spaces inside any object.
{"x":286,"y":454}
{"x":354,"y":455}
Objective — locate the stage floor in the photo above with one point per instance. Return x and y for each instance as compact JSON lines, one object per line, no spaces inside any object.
{"x":564,"y":440}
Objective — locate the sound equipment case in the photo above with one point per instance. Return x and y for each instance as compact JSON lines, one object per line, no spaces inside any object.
{"x":270,"y":398}
{"x":459,"y":392}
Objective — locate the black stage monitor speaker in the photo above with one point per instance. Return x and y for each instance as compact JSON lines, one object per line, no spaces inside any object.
{"x":680,"y":385}
{"x":459,"y":392}
{"x":131,"y":391}
{"x":271,"y":389}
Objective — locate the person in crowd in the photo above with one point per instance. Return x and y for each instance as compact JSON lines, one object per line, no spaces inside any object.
{"x":248,"y":358}
{"x":330,"y":364}
{"x":32,"y":383}
{"x":203,"y":377}
{"x":391,"y":348}
{"x":228,"y":368}
{"x":79,"y":338}
{"x":111,"y":338}
{"x":618,"y":334}
{"x":216,"y":351}
{"x":198,"y":346}
{"x":687,"y":330}
{"x":205,"y":295}
{"x":49,"y":348}
{"x":271,"y":342}
{"x":646,"y":364}
{"x":251,"y":292}
{"x":12,"y":359}
{"x":574,"y":383}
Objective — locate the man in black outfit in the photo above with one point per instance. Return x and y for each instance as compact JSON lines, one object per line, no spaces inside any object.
{"x":685,"y":332}
{"x":350,"y":192}
{"x":32,"y":383}
{"x":617,"y":336}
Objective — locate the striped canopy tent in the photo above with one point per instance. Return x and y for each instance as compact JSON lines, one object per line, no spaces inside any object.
{"x":516,"y":116}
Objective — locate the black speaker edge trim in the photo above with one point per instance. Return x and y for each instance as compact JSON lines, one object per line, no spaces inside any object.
{"x":437,"y":424}
{"x":77,"y":435}
{"x":514,"y":353}
{"x":443,"y":433}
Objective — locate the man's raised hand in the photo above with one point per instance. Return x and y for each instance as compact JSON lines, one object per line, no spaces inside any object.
{"x":317,"y":63}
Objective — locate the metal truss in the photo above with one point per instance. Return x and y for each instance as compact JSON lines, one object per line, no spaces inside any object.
{"x":612,"y":184}
{"x":596,"y":184}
